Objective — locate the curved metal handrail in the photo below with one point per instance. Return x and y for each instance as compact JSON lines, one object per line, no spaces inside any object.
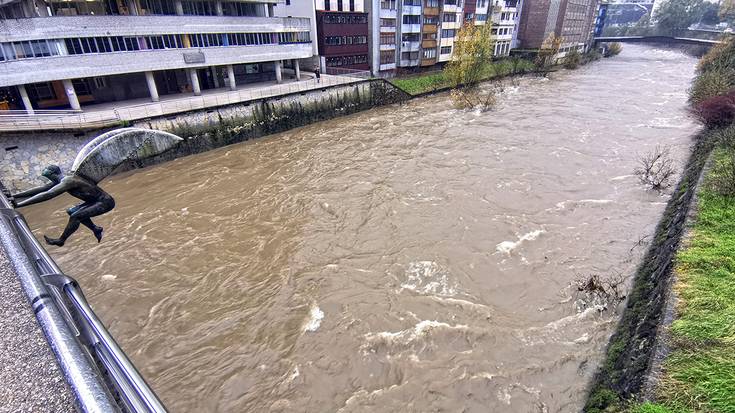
{"x":76,"y":335}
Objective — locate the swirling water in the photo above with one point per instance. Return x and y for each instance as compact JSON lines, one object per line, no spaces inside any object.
{"x":409,"y":258}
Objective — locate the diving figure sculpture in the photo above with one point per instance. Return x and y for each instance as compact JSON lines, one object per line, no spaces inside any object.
{"x":97,"y":160}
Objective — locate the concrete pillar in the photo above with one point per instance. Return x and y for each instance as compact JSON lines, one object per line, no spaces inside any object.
{"x":214,"y":76}
{"x":24,"y":96}
{"x":231,"y":76}
{"x":179,"y":8}
{"x":218,"y":8}
{"x":195,"y":82}
{"x":71,"y":94}
{"x":279,"y":78}
{"x":297,"y":69}
{"x":132,"y":7}
{"x":151,"y":86}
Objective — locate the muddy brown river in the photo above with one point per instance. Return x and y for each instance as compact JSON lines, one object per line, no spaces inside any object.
{"x":411,"y":258}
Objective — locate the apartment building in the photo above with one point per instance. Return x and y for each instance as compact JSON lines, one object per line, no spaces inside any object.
{"x":409,"y":35}
{"x":573,"y":20}
{"x":70,"y":54}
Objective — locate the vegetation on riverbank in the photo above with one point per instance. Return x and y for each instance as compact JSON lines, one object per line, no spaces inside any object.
{"x":698,"y":373}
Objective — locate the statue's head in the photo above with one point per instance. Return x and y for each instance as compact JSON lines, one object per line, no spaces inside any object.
{"x":52,"y":172}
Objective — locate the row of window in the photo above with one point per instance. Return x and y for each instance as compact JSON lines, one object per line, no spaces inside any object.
{"x":344,"y":40}
{"x":108,"y":44}
{"x":346,"y":60}
{"x":340,"y":5}
{"x":502,"y":31}
{"x":345,"y":19}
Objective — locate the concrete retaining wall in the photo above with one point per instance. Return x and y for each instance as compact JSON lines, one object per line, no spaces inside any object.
{"x":26,"y":154}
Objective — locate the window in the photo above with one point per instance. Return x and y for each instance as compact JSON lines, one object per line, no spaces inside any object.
{"x":411,"y":19}
{"x":431,"y":19}
{"x":387,"y":39}
{"x":447,"y":33}
{"x":352,"y":5}
{"x":43,"y":91}
{"x":327,"y":6}
{"x":198,"y":8}
{"x":409,"y":55}
{"x":446,"y":49}
{"x":469,"y":16}
{"x":449,"y":17}
{"x":429,"y":53}
{"x":410,"y":37}
{"x":387,"y":57}
{"x":100,"y":82}
{"x":411,"y":2}
{"x":429,"y":36}
{"x":387,"y":22}
{"x":432,"y":3}
{"x":346,"y":60}
{"x":81,"y":86}
{"x":388,"y":4}
{"x":481,"y":18}
{"x":157,"y":7}
{"x":339,"y":5}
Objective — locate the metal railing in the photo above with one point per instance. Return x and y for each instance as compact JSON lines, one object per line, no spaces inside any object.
{"x":18,"y":120}
{"x":88,"y":355}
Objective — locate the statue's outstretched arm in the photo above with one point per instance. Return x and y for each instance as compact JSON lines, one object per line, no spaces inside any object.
{"x":55,"y":191}
{"x":34,"y":191}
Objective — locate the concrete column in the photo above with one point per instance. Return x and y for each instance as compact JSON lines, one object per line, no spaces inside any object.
{"x":297,"y":69}
{"x":214,"y":76}
{"x":266,"y":11}
{"x":26,"y":101}
{"x":132,"y":7}
{"x":231,"y":76}
{"x":195,"y":82}
{"x":151,"y":86}
{"x":279,"y":78}
{"x":71,"y":94}
{"x":179,"y":8}
{"x":218,"y":8}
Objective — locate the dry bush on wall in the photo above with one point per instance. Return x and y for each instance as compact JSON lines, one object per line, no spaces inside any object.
{"x":656,"y":168}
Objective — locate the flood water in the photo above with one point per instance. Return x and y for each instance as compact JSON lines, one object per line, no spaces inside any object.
{"x":411,"y":258}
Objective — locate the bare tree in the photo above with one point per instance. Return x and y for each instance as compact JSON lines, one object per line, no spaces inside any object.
{"x":598,"y":291}
{"x":656,"y":169}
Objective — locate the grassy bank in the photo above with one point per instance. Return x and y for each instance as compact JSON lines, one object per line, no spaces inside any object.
{"x":429,"y":82}
{"x":699,"y":373}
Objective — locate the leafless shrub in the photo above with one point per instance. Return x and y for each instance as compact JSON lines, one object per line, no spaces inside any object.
{"x":476,"y":97}
{"x":602,"y":293}
{"x":656,"y":168}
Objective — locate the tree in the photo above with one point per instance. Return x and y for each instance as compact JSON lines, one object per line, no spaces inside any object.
{"x":675,"y":16}
{"x":548,"y":51}
{"x":473,"y":50}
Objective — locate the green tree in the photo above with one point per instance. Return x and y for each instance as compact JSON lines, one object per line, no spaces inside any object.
{"x":675,"y":16}
{"x":473,"y":51}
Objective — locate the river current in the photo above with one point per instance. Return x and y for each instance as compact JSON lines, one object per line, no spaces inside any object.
{"x":412,"y":258}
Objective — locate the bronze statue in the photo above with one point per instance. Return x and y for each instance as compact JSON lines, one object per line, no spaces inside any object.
{"x":96,"y":160}
{"x":96,"y":201}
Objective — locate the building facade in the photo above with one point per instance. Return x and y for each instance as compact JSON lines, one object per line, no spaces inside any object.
{"x":74,"y":53}
{"x":413,"y":35}
{"x":342,"y":36}
{"x":573,"y":20}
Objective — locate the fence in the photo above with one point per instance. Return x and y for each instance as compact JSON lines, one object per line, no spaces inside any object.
{"x":86,"y":352}
{"x":18,"y":120}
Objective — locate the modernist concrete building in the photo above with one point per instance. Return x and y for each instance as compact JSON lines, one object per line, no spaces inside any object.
{"x":573,"y":20}
{"x":72,"y":53}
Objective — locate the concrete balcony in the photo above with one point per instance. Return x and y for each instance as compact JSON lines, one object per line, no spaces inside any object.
{"x":388,"y":14}
{"x":411,"y":10}
{"x":409,"y":63}
{"x":410,"y":28}
{"x":428,"y":62}
{"x":431,"y":11}
{"x":450,"y":8}
{"x":430,"y":28}
{"x":410,"y":46}
{"x":428,"y":44}
{"x":16,"y":72}
{"x":387,"y":29}
{"x":86,"y":26}
{"x":388,"y":47}
{"x":388,"y":66}
{"x":451,"y":25}
{"x":446,"y":41}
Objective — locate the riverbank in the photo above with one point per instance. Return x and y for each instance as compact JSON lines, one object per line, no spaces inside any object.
{"x":673,"y":345}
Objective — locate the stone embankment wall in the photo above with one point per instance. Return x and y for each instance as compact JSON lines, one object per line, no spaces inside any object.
{"x":629,"y":355}
{"x":26,"y":153}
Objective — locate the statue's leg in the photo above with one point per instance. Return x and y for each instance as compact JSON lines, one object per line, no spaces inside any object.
{"x":80,"y":215}
{"x":87,"y":222}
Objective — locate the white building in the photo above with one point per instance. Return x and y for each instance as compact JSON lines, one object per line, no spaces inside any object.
{"x":56,"y":54}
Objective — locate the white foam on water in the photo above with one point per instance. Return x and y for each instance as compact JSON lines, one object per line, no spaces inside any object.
{"x":109,"y":277}
{"x":506,"y":247}
{"x":315,"y":319}
{"x":621,"y":177}
{"x":421,"y":329}
{"x":428,"y":278}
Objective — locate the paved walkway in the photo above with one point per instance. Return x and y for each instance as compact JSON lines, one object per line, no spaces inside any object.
{"x":110,"y":113}
{"x":30,"y":379}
